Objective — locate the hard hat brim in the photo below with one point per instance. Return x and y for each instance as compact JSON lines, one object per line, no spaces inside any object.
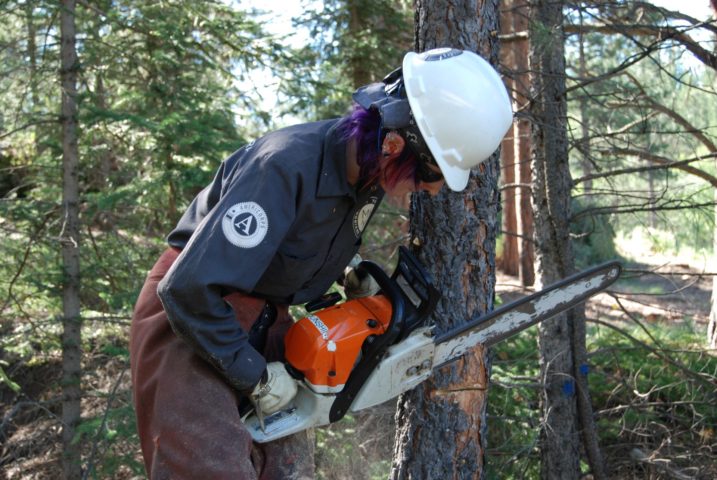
{"x":456,"y":178}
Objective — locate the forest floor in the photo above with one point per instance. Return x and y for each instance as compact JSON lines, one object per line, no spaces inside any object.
{"x":29,"y":431}
{"x":658,"y":294}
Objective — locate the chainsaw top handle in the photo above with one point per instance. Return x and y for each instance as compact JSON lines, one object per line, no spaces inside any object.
{"x":413,"y":297}
{"x":374,"y":346}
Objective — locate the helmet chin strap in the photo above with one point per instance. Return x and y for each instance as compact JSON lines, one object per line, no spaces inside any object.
{"x":416,"y":143}
{"x":389,"y":98}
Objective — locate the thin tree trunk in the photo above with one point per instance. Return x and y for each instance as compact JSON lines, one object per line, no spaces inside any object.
{"x":712,"y":326}
{"x":32,"y":57}
{"x":565,"y":401}
{"x":70,"y":238}
{"x":584,"y":117}
{"x":441,"y":424}
{"x":518,"y":255}
{"x":526,"y":229}
{"x":359,"y":68}
{"x":652,"y":215}
{"x":509,"y":259}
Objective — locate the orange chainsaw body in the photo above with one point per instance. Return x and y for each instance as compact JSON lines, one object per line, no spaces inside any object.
{"x":326,"y":345}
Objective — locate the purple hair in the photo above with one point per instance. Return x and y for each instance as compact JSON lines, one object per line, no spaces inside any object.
{"x":364,"y":126}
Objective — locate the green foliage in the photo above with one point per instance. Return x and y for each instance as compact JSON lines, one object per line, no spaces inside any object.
{"x":646,"y":399}
{"x":355,"y":42}
{"x":690,"y":244}
{"x":155,"y":122}
{"x":640,"y":399}
{"x":513,"y":413}
{"x":157,"y":113}
{"x":114,"y":436}
{"x":593,"y":238}
{"x":638,"y":103}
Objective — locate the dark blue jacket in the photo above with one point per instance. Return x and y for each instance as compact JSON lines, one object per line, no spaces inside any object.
{"x":279,"y":221}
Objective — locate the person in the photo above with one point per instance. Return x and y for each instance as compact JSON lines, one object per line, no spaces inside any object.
{"x":277,"y":226}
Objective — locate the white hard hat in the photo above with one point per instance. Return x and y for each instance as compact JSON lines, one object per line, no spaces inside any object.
{"x":461,"y":107}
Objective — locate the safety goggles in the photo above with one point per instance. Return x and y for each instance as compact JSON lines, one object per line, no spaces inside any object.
{"x":424,"y":172}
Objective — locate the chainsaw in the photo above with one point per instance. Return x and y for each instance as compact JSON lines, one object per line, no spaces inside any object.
{"x":353,"y":355}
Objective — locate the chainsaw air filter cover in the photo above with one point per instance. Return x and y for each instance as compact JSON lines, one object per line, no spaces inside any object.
{"x":326,"y":345}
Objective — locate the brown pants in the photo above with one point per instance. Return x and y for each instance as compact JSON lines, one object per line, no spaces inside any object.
{"x":187,"y":416}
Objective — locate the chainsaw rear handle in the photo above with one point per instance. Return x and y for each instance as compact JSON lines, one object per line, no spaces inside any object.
{"x":374,"y":346}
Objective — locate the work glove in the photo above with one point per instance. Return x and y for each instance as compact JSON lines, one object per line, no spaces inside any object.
{"x":274,"y":391}
{"x":358,"y":283}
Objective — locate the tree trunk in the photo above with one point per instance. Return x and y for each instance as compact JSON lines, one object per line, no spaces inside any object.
{"x":509,"y":259}
{"x":32,"y":60}
{"x":712,"y":326}
{"x":358,"y":66}
{"x":518,"y":254}
{"x":70,"y":238}
{"x":584,"y":144}
{"x":441,"y":424}
{"x":565,"y":401}
{"x":526,"y":230}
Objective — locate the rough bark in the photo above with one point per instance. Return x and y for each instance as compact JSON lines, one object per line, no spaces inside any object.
{"x":441,"y":425}
{"x":70,"y":238}
{"x":565,"y":402}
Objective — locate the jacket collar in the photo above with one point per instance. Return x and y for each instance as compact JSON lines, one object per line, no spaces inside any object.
{"x":332,"y":175}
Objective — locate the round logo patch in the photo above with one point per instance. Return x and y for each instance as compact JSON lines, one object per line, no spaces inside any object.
{"x":245,"y":224}
{"x":362,"y":215}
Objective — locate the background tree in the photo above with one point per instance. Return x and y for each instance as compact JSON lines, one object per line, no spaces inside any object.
{"x":70,"y":242}
{"x":658,"y":136}
{"x":565,"y":400}
{"x":516,"y":256}
{"x":712,"y":325}
{"x":442,"y":423}
{"x":141,"y":133}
